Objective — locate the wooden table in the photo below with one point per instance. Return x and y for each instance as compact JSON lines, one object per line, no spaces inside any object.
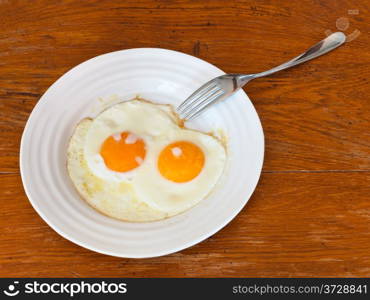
{"x":310,"y":214}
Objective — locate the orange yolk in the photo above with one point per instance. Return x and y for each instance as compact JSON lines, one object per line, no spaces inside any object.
{"x":181,"y":161}
{"x":123,"y":152}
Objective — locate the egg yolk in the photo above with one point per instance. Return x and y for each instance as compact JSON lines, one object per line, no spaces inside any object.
{"x":181,"y":161}
{"x":123,"y":152}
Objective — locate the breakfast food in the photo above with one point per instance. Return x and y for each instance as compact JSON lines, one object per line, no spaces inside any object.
{"x":136,"y":163}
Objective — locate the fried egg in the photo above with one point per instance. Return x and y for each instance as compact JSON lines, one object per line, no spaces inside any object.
{"x":135,"y":162}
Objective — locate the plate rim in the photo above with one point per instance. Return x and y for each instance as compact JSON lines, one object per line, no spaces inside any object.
{"x":192,"y":242}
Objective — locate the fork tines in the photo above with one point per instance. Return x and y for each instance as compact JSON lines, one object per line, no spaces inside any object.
{"x":200,"y":100}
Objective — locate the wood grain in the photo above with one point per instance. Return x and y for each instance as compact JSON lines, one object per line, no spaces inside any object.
{"x":310,"y":214}
{"x":311,"y":224}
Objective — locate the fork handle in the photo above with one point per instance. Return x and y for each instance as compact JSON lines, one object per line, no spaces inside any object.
{"x":330,"y":43}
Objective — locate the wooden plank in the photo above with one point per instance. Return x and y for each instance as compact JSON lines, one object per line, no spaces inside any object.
{"x":296,"y":224}
{"x":314,"y":116}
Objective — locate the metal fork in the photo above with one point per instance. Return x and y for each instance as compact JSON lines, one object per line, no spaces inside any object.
{"x":224,"y":86}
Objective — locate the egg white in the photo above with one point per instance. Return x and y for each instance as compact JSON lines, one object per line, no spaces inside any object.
{"x":112,"y":198}
{"x":142,"y":194}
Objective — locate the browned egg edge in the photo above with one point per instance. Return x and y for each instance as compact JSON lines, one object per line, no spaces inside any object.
{"x":180,"y":123}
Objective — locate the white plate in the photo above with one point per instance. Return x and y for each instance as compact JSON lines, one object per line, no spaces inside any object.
{"x":158,"y":75}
